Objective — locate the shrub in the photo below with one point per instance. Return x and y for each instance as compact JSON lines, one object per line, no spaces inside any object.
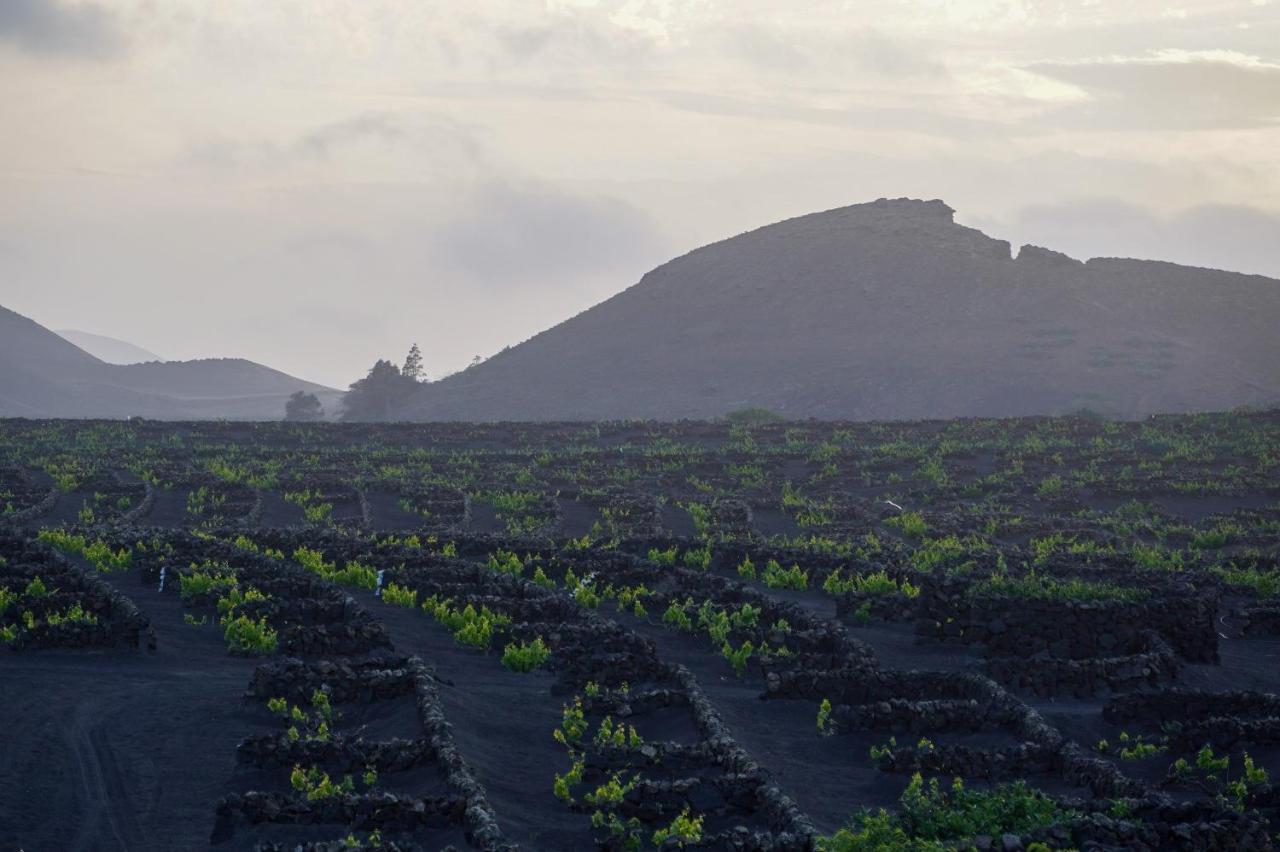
{"x":246,"y":636}
{"x":745,"y":617}
{"x":309,"y":727}
{"x":200,"y":583}
{"x":738,"y":657}
{"x":933,"y":819}
{"x":573,"y":725}
{"x":74,"y":615}
{"x":684,"y":829}
{"x":945,"y":552}
{"x":1156,"y":558}
{"x":506,"y":562}
{"x":677,"y":617}
{"x":909,"y":523}
{"x":1265,"y":584}
{"x":400,"y":596}
{"x":564,"y":784}
{"x":1049,"y":486}
{"x":353,"y":574}
{"x":469,"y":625}
{"x":610,"y":793}
{"x":98,"y":553}
{"x":315,"y":784}
{"x":792,"y":578}
{"x":664,"y":557}
{"x":626,"y":835}
{"x":824,"y":718}
{"x":632,"y":598}
{"x":1217,"y":537}
{"x":698,"y":558}
{"x":525,"y":656}
{"x":609,"y":735}
{"x":879,"y":583}
{"x":314,"y":508}
{"x":235,"y":598}
{"x":1137,"y":748}
{"x":1209,"y":763}
{"x":879,"y":752}
{"x":701,"y":516}
{"x":243,"y":542}
{"x":1046,"y":587}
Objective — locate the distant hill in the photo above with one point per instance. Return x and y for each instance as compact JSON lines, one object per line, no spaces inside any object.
{"x":108,"y":348}
{"x":888,"y":310}
{"x":44,"y":375}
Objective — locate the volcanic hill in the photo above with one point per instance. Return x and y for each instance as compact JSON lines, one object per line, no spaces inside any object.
{"x":888,"y":310}
{"x":44,"y":375}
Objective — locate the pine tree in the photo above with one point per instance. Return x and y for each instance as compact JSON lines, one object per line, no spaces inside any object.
{"x":413,"y":364}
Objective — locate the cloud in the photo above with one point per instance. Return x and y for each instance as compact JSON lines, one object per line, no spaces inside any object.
{"x":1171,"y":89}
{"x":519,"y":235}
{"x":568,"y":38}
{"x":323,"y":140}
{"x":59,"y":28}
{"x":775,"y":49}
{"x":452,"y":146}
{"x":1220,"y":236}
{"x":936,"y":121}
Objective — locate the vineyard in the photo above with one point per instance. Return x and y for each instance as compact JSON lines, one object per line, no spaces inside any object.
{"x":1028,"y":634}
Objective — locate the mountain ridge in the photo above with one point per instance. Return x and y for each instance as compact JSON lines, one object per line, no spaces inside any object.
{"x":109,"y":349}
{"x":46,"y":375}
{"x":887,"y":310}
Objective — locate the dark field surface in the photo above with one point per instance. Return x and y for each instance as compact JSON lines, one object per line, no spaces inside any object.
{"x":999,"y":601}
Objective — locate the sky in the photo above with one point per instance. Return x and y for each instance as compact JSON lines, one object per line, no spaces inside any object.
{"x":315,"y":184}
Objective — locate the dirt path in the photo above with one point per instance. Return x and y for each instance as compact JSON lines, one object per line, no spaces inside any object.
{"x":107,"y":750}
{"x":102,"y":785}
{"x":502,"y":723}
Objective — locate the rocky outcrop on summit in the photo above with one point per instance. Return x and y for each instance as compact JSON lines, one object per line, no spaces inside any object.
{"x":888,"y":310}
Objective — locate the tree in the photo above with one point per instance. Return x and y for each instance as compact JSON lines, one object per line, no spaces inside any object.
{"x":378,"y":395}
{"x":303,"y":408}
{"x":412,"y":368}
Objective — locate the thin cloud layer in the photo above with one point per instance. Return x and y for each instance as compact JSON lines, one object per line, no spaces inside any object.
{"x":85,"y":30}
{"x":1173,"y":89}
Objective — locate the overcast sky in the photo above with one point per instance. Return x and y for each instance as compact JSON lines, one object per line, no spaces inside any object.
{"x":318,"y":183}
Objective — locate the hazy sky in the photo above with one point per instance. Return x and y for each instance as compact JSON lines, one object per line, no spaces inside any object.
{"x":318,"y":183}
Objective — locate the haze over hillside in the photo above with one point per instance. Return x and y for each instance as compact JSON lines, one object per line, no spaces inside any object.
{"x":43,"y":375}
{"x":108,"y":349}
{"x":888,"y":310}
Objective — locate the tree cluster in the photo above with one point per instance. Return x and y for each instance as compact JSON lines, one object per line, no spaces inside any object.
{"x":380,"y":394}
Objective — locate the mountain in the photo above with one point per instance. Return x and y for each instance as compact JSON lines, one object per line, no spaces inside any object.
{"x":44,"y":375}
{"x":108,"y":348}
{"x":888,"y":310}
